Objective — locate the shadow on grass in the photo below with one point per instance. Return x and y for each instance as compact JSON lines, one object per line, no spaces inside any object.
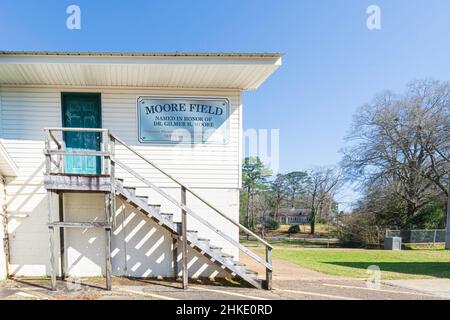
{"x":433,"y":269}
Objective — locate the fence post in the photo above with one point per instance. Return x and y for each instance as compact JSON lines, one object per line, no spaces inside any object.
{"x":447,"y":230}
{"x":268,"y":271}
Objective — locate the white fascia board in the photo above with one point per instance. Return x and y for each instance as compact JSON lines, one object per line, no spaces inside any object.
{"x":163,"y":60}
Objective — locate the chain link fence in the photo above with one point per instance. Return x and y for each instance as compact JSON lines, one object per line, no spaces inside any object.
{"x":418,"y":236}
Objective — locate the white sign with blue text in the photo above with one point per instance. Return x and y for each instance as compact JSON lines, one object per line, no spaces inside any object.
{"x":183,"y":120}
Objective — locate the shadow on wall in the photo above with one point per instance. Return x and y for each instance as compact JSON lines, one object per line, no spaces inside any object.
{"x":140,"y":247}
{"x":27,"y":227}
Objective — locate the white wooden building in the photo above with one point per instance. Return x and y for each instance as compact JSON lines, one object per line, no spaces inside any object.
{"x":133,"y":162}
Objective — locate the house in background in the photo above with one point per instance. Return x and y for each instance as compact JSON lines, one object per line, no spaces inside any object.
{"x":125,"y":164}
{"x":294,"y":216}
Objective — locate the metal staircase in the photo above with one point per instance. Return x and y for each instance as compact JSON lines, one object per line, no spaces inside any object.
{"x":201,"y":245}
{"x":57,"y":181}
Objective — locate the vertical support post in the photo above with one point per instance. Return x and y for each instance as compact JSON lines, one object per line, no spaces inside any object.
{"x":268,"y":271}
{"x":61,"y":235}
{"x":184,"y":239}
{"x":108,"y":241}
{"x":112,"y":151}
{"x":48,"y":163}
{"x":175,"y":257}
{"x":447,"y":230}
{"x":105,"y":138}
{"x":5,"y":229}
{"x":51,"y":231}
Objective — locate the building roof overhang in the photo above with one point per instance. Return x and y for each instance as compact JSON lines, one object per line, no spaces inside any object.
{"x":243,"y":71}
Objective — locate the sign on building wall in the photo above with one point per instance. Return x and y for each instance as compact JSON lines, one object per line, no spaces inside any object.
{"x":183,"y":120}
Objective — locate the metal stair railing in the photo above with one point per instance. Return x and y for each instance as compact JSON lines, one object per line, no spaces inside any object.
{"x":108,"y":153}
{"x":268,"y":261}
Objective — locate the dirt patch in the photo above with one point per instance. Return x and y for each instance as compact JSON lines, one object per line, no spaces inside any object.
{"x":284,"y":270}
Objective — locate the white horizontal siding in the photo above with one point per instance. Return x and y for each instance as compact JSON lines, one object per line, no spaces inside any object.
{"x":26,"y":111}
{"x":2,"y":251}
{"x":212,"y":170}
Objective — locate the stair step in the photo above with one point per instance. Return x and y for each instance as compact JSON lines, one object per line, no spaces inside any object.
{"x":131,"y":191}
{"x":156,"y":207}
{"x":193,"y":234}
{"x":227,"y":257}
{"x":252,"y":274}
{"x":203,"y":244}
{"x":168,"y":216}
{"x":239,"y":266}
{"x":143,"y":198}
{"x":215,"y":249}
{"x":203,"y":241}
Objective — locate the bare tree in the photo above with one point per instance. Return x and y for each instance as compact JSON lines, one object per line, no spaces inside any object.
{"x":295,"y":182}
{"x":403,"y":141}
{"x":278,"y":193}
{"x":323,"y":184}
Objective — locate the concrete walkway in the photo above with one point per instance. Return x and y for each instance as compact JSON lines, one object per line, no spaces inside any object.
{"x":286,"y":271}
{"x":129,"y":289}
{"x":290,"y":281}
{"x":437,"y":287}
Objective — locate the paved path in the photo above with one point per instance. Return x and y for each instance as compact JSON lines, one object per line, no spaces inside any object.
{"x":290,"y":281}
{"x":285,"y":270}
{"x":295,"y":287}
{"x":125,"y":289}
{"x":438,"y":287}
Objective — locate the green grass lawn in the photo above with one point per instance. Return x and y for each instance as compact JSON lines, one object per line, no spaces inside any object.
{"x":406,"y":264}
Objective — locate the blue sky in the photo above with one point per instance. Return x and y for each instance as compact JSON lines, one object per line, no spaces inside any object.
{"x":333,"y":63}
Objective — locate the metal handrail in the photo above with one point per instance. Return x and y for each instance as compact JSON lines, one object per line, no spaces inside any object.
{"x":246,"y":230}
{"x":78,"y":129}
{"x":110,"y":155}
{"x":60,"y":151}
{"x":192,"y":213}
{"x":267,"y":264}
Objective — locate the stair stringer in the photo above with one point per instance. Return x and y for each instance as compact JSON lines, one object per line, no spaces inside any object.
{"x":225,"y":263}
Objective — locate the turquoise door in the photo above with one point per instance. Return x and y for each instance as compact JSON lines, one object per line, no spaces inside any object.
{"x":82,"y":110}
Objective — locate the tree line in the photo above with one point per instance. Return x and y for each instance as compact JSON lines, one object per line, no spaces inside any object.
{"x":397,"y":155}
{"x":262,"y":199}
